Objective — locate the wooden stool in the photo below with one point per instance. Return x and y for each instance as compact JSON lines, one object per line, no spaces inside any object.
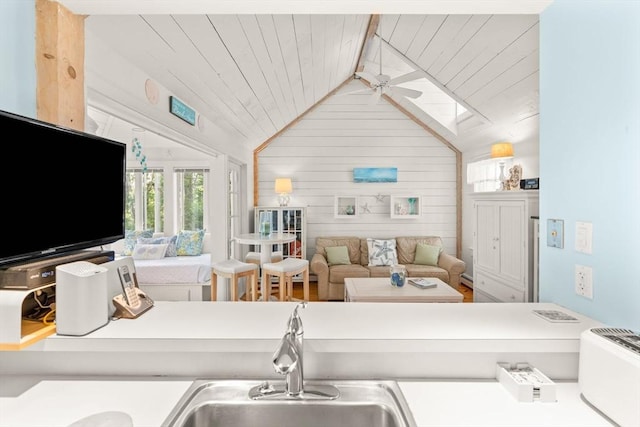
{"x":254,"y":257}
{"x":285,"y":270}
{"x":234,"y":270}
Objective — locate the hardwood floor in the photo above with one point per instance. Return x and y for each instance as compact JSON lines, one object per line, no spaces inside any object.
{"x":466,"y":292}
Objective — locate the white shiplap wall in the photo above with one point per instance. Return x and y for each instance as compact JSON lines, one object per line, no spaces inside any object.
{"x":344,"y":132}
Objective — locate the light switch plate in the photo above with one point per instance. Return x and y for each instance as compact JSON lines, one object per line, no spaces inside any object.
{"x":555,"y":233}
{"x":584,"y":237}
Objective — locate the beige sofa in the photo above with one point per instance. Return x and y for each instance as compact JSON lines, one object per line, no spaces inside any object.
{"x":331,"y":278}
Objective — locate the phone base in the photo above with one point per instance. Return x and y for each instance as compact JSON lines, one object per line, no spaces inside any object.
{"x":125,"y":311}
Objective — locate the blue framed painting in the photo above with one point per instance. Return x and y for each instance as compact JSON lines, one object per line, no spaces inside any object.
{"x":375,"y":174}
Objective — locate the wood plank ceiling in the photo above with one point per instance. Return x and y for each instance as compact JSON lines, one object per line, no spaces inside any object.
{"x":253,"y":74}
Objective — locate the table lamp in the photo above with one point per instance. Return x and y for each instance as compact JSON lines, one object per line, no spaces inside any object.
{"x":283,"y":188}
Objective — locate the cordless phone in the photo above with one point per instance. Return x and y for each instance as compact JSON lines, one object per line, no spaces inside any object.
{"x":129,"y":289}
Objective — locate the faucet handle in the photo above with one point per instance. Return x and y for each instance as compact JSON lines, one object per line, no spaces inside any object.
{"x":295,"y":323}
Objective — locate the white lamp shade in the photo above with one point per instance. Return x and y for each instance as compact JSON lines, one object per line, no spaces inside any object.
{"x":283,"y":185}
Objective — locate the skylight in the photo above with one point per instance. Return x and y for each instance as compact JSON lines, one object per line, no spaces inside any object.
{"x":435,"y":102}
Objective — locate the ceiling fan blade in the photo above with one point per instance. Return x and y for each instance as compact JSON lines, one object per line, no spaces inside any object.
{"x":375,"y":96}
{"x":414,"y":75}
{"x":367,"y":76}
{"x":410,"y":93}
{"x":355,"y":92}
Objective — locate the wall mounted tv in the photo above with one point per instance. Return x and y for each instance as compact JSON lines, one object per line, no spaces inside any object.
{"x":62,"y":190}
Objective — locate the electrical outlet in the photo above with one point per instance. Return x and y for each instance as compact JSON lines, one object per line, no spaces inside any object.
{"x":584,"y":281}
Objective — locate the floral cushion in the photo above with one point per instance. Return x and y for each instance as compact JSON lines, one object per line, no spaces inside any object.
{"x":382,"y":252}
{"x":190,"y":242}
{"x":131,"y":237}
{"x":170,"y":241}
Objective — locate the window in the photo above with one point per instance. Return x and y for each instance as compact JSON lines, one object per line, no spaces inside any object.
{"x":192,"y":192}
{"x":144,"y":205}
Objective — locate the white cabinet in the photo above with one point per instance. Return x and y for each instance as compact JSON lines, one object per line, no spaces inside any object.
{"x":285,"y":219}
{"x":503,"y":239}
{"x":405,"y":207}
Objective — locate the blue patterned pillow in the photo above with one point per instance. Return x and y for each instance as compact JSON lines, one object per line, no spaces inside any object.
{"x":144,"y":251}
{"x":190,"y":242}
{"x":382,"y":252}
{"x":130,"y":239}
{"x":170,"y":241}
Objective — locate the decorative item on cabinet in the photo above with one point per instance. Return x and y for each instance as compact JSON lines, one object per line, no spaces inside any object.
{"x":283,"y":187}
{"x":502,"y":151}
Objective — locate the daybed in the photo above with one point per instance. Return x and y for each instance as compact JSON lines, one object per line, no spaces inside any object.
{"x":173,"y":277}
{"x":432,"y":262}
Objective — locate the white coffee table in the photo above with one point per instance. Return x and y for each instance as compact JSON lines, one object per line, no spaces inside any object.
{"x":379,"y":289}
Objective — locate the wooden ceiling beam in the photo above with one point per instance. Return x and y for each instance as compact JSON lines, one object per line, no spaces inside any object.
{"x":374,"y":21}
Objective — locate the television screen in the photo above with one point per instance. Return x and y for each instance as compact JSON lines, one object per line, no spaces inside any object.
{"x":62,"y":190}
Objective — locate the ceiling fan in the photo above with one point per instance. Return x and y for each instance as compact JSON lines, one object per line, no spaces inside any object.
{"x":384,"y":84}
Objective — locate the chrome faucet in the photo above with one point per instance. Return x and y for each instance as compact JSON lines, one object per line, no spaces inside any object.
{"x":287,"y":360}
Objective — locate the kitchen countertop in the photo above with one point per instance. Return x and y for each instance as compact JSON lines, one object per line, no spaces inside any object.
{"x":442,"y":355}
{"x":341,"y":341}
{"x":148,"y":402}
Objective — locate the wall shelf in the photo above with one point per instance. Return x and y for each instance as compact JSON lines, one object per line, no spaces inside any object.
{"x":346,"y":207}
{"x":405,"y":206}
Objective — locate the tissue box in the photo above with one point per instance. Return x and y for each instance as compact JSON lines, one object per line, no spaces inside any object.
{"x":526,"y":383}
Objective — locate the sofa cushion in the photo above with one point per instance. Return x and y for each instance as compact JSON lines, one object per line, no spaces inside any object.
{"x":427,"y":254}
{"x":379,"y":271}
{"x":406,"y":247}
{"x":337,"y":255}
{"x":382,"y":252}
{"x":352,"y":244}
{"x":338,"y":273}
{"x":417,"y":270}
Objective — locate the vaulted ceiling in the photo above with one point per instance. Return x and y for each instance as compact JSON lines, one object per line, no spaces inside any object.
{"x":253,"y":74}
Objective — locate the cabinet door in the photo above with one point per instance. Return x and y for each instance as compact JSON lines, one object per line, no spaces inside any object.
{"x":486,"y":253}
{"x":293,"y":222}
{"x":512,"y":241}
{"x":285,"y":220}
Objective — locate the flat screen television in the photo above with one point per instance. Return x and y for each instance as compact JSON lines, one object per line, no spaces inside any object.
{"x":62,"y":190}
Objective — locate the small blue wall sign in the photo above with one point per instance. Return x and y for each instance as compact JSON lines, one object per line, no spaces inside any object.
{"x":182,"y":110}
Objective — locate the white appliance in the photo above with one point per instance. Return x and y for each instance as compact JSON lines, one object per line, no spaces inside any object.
{"x":81,"y":298}
{"x":609,"y":373}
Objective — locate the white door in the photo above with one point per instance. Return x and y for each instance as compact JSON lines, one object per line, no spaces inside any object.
{"x":486,"y":250}
{"x":512,"y":241}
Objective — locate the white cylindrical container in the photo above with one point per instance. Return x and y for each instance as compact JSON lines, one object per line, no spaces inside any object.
{"x":81,"y":298}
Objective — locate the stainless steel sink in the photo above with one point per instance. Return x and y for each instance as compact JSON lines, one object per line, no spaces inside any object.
{"x":227,"y":403}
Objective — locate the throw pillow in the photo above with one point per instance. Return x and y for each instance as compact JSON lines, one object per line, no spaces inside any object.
{"x":144,"y":251}
{"x":337,"y":255}
{"x":382,"y":252}
{"x":171,"y":241}
{"x":190,"y":242}
{"x":131,"y":237}
{"x":427,"y":254}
